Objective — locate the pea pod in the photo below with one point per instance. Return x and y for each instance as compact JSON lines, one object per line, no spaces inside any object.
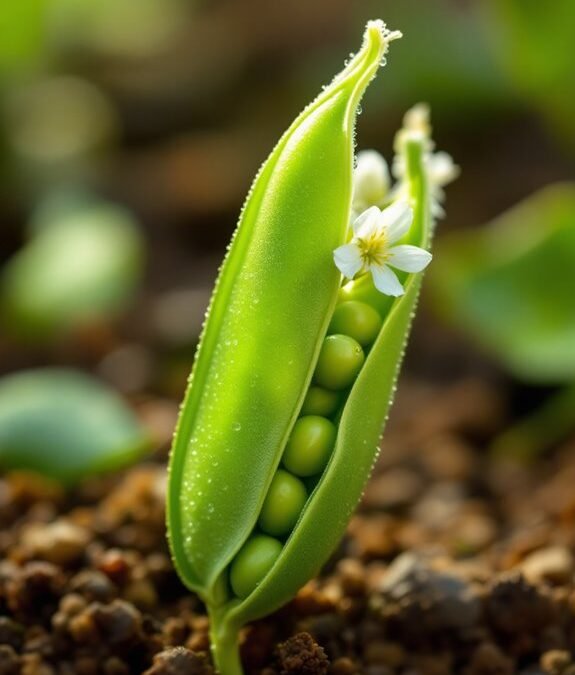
{"x":263,"y":342}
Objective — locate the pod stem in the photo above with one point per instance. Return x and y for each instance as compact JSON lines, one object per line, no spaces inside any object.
{"x":224,"y":638}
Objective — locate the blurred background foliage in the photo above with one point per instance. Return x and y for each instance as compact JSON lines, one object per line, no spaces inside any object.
{"x":130,"y":132}
{"x":84,"y":427}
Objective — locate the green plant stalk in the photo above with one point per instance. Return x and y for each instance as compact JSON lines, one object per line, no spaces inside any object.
{"x":224,"y":638}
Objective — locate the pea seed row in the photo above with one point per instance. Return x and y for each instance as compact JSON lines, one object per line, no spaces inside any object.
{"x":353,"y":329}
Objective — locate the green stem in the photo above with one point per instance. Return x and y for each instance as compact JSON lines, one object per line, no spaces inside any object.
{"x":224,"y":638}
{"x":549,"y":424}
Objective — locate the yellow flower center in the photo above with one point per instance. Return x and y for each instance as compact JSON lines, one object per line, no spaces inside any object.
{"x":373,"y":249}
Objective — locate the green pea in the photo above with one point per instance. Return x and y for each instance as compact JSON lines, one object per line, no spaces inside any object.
{"x":284,"y":502}
{"x":310,"y":445}
{"x":340,"y":360}
{"x":320,"y":401}
{"x":356,"y":319}
{"x":252,"y":563}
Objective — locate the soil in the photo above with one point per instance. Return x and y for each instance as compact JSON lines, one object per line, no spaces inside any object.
{"x":457,"y":561}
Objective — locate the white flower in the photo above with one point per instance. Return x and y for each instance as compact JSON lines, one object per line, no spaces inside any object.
{"x":441,"y":170}
{"x":439,"y":166}
{"x":416,"y":121}
{"x":370,"y":181}
{"x":371,"y":248}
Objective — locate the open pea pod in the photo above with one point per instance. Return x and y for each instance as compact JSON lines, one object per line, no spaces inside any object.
{"x":263,"y":342}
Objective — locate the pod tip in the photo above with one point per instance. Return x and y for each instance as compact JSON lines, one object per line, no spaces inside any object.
{"x":376,"y":30}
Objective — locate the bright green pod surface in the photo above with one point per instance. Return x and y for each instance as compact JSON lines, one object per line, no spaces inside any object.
{"x":265,"y":329}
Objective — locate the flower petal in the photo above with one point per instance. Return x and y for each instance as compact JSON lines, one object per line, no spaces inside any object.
{"x":441,"y":168}
{"x":437,"y":196}
{"x":408,"y":258}
{"x":348,"y":260}
{"x":367,"y":223}
{"x":396,"y":220}
{"x":385,"y":280}
{"x":398,"y":167}
{"x":370,"y":180}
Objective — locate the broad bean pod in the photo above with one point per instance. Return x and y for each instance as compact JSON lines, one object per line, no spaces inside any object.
{"x":288,"y":372}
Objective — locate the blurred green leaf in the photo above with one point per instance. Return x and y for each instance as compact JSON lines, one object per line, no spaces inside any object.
{"x":22,"y":31}
{"x":59,"y":122}
{"x":117,"y":28}
{"x":65,"y":425}
{"x":444,"y":57}
{"x":534,"y":42}
{"x":510,"y":285}
{"x":34,"y":31}
{"x":83,"y":264}
{"x":541,"y":430}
